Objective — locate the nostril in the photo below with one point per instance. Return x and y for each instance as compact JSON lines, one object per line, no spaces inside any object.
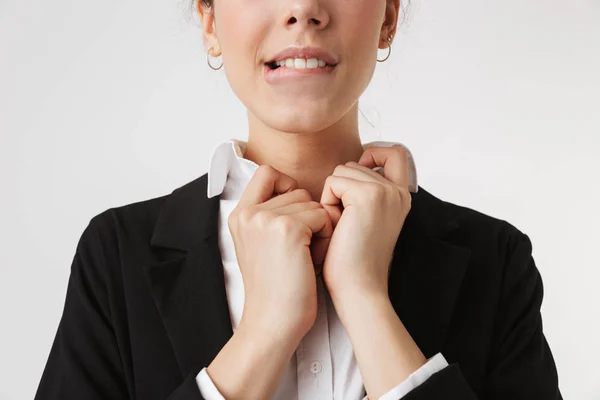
{"x":315,"y":21}
{"x":292,"y":20}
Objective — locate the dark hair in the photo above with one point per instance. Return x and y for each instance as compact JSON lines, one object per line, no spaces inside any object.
{"x":205,"y":3}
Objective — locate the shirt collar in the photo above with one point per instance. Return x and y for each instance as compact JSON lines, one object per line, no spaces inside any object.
{"x":228,"y":170}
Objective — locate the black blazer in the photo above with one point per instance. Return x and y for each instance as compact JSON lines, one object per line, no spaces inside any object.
{"x":146,"y":307}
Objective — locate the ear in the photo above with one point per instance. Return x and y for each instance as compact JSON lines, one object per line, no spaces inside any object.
{"x":392,"y":10}
{"x":209,"y":28}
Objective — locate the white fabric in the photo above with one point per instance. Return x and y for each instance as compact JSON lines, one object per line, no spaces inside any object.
{"x":323,"y":366}
{"x":433,"y":365}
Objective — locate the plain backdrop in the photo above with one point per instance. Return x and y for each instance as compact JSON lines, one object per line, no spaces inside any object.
{"x":104,"y":103}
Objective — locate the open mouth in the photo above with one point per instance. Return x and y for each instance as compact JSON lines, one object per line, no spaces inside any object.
{"x":299,"y":63}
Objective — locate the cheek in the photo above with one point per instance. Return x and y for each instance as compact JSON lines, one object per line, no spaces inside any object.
{"x":238,"y":30}
{"x":241,"y":35}
{"x":361,"y":27}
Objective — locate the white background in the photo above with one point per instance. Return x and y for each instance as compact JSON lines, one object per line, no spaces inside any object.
{"x":103,"y":103}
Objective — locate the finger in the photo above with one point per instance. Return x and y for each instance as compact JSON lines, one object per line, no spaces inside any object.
{"x":320,"y":224}
{"x":265,"y":182}
{"x":317,"y":220}
{"x":318,"y":252}
{"x":299,"y":196}
{"x":365,"y":174}
{"x":296,"y":207}
{"x":335,"y":212}
{"x":394,"y":160}
{"x":336,"y":193}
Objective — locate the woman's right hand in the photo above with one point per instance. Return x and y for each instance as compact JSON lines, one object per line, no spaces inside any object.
{"x":272,"y":228}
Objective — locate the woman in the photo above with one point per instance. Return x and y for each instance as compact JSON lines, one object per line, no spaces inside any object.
{"x":297,"y":267}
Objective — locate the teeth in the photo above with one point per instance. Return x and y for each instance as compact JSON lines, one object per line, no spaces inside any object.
{"x":302,"y":63}
{"x":312,"y":63}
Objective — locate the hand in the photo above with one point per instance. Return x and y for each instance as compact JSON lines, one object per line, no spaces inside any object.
{"x":272,"y":237}
{"x":366,"y":231}
{"x":357,"y":263}
{"x":272,"y":227}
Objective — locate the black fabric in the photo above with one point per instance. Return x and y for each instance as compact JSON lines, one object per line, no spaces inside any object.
{"x":146,"y":306}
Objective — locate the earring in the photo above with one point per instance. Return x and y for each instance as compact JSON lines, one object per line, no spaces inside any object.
{"x":208,"y":61}
{"x":389,"y":41}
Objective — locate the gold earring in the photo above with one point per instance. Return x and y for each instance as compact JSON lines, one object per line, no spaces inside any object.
{"x":389,"y":41}
{"x":209,"y":63}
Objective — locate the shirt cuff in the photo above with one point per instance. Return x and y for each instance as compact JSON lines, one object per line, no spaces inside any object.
{"x":208,"y":390}
{"x":433,"y":365}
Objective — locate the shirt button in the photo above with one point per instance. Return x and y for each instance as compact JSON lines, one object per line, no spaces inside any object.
{"x":315,"y":367}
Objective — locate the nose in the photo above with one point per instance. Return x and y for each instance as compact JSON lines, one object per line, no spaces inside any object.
{"x":306,"y":13}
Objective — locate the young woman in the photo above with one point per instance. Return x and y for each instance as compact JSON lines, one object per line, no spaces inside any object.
{"x":304,"y":264}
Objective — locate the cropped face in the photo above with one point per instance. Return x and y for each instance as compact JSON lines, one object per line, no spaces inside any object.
{"x":298,"y":65}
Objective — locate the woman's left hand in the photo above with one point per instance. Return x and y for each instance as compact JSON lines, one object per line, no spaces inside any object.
{"x":366,"y":231}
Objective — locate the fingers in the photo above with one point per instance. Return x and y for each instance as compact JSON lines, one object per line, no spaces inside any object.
{"x":296,"y":207}
{"x":394,"y":160}
{"x":317,"y":219}
{"x":294,"y":196}
{"x":336,"y":193}
{"x":319,"y":222}
{"x":359,"y":172}
{"x":266,"y":182}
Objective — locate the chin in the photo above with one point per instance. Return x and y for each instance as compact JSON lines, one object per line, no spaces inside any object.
{"x":301,"y":118}
{"x":300,"y":122}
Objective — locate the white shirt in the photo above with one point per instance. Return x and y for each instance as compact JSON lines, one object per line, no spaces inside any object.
{"x":323,"y":366}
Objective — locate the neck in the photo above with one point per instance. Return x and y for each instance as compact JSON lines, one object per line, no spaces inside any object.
{"x":309,"y":158}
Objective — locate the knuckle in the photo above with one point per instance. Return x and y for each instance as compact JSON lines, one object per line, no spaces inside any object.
{"x":284,"y":224}
{"x":380,"y":191}
{"x":243,"y":216}
{"x":232,"y":220}
{"x":304,"y":194}
{"x":322,"y":213}
{"x":261,"y":219}
{"x":400,"y":151}
{"x":315,"y":204}
{"x":405,"y":195}
{"x":376,"y":193}
{"x":266,"y":171}
{"x":339,"y":168}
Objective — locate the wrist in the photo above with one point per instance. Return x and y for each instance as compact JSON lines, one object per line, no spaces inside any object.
{"x":272,"y":334}
{"x":358,"y":302}
{"x":285,"y":326}
{"x":385,"y":351}
{"x":250,"y":364}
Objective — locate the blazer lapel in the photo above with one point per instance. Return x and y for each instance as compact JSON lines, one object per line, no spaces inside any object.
{"x":427,"y":271}
{"x":187,"y":280}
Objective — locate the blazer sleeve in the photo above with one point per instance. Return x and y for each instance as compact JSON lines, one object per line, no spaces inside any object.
{"x":520,"y":365}
{"x":84,"y":360}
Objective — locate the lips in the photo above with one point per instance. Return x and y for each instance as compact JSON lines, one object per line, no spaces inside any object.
{"x":301,"y":65}
{"x":303,"y":76}
{"x":302,"y":53}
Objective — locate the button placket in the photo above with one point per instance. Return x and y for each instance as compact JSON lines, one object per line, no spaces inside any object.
{"x":314,"y":366}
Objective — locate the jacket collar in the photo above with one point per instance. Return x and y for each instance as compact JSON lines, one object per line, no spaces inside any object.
{"x":187,"y":280}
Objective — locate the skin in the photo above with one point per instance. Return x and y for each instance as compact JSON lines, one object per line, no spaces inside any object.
{"x":304,"y":136}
